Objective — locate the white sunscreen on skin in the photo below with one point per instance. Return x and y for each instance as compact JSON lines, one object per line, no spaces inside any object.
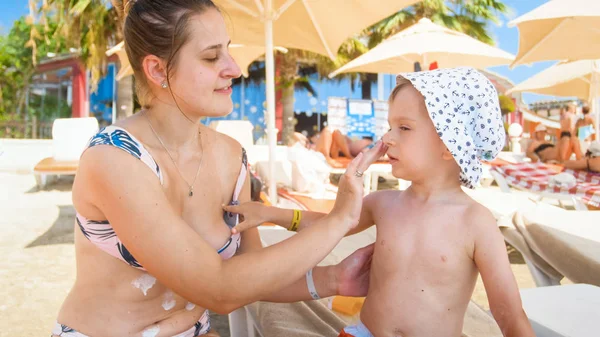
{"x":151,"y":332}
{"x":144,"y":283}
{"x":169,"y":301}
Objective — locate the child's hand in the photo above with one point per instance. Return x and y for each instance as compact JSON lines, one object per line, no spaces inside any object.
{"x":353,"y":273}
{"x":252,"y":214}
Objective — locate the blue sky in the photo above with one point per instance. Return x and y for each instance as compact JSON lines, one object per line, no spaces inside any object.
{"x":506,"y":38}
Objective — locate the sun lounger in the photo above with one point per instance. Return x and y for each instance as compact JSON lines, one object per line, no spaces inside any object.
{"x":371,"y":175}
{"x":567,"y":310}
{"x":569,"y":241}
{"x":535,"y":178}
{"x":504,"y":207}
{"x":69,"y":138}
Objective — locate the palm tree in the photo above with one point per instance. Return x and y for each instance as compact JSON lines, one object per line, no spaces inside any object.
{"x":471,"y":17}
{"x":468,"y":16}
{"x":91,"y":26}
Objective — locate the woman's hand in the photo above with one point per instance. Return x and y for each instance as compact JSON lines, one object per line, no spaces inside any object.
{"x":353,"y":273}
{"x":348,"y":203}
{"x":253,"y":215}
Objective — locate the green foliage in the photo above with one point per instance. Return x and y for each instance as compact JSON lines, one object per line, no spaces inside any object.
{"x":17,"y":63}
{"x":89,"y":25}
{"x":507,"y":105}
{"x":471,"y":17}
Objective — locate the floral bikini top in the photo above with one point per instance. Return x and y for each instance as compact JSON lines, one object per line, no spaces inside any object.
{"x":102,"y":234}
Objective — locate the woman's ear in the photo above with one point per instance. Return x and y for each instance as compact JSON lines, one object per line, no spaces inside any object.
{"x":155,"y":70}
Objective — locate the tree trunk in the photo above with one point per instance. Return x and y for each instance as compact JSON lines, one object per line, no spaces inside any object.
{"x":288,"y":72}
{"x":366,"y":89}
{"x":289,"y":127}
{"x":366,"y":82}
{"x":125,"y":97}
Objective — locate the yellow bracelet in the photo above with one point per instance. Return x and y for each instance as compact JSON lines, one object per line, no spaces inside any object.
{"x":295,"y":221}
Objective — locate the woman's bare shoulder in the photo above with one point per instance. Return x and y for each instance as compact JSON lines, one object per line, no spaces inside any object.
{"x":103,"y":166}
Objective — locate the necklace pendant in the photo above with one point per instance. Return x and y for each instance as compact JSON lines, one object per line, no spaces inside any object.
{"x":191,"y":193}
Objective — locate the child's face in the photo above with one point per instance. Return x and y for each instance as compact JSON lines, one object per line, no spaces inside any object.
{"x":415,"y":149}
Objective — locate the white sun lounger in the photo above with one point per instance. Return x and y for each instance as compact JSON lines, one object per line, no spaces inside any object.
{"x":568,"y":310}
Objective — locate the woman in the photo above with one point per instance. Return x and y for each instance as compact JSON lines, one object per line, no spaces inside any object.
{"x":586,"y":129}
{"x":333,"y":144}
{"x":150,"y":190}
{"x":540,"y":150}
{"x":590,"y":163}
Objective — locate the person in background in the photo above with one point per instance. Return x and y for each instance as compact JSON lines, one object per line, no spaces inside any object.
{"x":586,"y":129}
{"x":567,"y":145}
{"x":333,"y":144}
{"x":541,"y":150}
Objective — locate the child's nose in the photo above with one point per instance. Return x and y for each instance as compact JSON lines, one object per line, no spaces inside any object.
{"x":388,"y":140}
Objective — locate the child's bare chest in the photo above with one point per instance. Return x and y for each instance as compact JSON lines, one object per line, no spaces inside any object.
{"x":432,"y":247}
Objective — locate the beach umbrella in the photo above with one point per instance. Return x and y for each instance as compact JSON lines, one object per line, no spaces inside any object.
{"x":559,"y":30}
{"x":426,"y":42}
{"x":578,"y":78}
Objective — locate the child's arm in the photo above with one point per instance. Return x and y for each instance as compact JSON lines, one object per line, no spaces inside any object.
{"x":492,"y":261}
{"x":255,"y":214}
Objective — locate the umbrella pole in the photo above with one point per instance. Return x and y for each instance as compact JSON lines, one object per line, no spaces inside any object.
{"x":270,"y":81}
{"x":595,"y":97}
{"x":380,"y":86}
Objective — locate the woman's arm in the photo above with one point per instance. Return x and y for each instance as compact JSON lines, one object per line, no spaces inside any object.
{"x":580,"y":164}
{"x":342,"y":279}
{"x":531,"y":153}
{"x":348,"y":278}
{"x":256,"y":213}
{"x":132,"y":199}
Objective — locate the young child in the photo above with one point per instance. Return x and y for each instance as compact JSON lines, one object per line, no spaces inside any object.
{"x":432,"y":239}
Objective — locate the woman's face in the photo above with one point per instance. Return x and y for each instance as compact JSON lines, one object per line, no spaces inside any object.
{"x":204,"y":70}
{"x":540,"y":135}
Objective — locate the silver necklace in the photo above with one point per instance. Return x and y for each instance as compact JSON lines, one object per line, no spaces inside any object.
{"x":191,"y":186}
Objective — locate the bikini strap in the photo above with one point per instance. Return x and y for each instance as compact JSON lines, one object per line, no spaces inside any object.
{"x":242,"y":176}
{"x":122,"y":139}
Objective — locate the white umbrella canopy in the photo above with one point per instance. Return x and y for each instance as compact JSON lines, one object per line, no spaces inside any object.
{"x":563,"y":79}
{"x":125,"y":69}
{"x":559,"y":30}
{"x":245,"y":55}
{"x":426,"y":42}
{"x":320,"y":26}
{"x":578,"y":78}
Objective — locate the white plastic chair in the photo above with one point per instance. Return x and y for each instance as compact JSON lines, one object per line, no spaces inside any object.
{"x":238,"y":130}
{"x":69,"y":139}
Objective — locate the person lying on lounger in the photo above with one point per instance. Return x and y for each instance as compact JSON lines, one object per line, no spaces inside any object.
{"x":432,"y":239}
{"x":333,"y":144}
{"x":590,"y":163}
{"x":540,"y":150}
